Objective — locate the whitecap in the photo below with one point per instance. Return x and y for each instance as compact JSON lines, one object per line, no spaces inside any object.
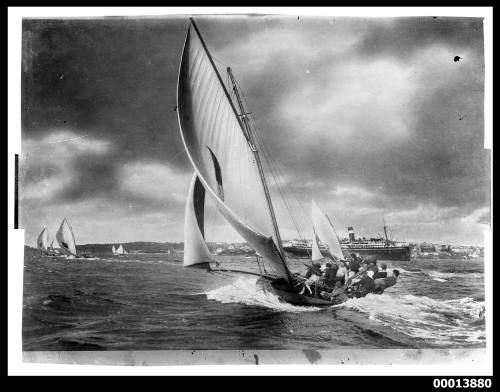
{"x":442,"y":322}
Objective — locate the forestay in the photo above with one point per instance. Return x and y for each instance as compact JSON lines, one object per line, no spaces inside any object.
{"x":220,"y":153}
{"x":325,"y":232}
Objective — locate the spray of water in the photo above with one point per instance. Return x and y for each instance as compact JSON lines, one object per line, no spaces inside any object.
{"x":245,"y":291}
{"x":439,"y":322}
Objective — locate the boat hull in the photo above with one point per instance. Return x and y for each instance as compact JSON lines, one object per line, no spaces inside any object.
{"x":382,"y":253}
{"x":295,"y":251}
{"x":275,"y":288}
{"x":386,"y":253}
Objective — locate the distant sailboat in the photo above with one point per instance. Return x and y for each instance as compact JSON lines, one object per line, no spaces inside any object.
{"x":324,"y":231}
{"x":113,"y":249}
{"x":42,"y":242}
{"x":120,"y":250}
{"x":219,"y":142}
{"x":66,"y":239}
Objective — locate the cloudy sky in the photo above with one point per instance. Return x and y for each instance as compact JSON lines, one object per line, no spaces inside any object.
{"x":372,"y":118}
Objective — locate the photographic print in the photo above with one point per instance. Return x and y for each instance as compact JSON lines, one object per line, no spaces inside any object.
{"x":252,"y":184}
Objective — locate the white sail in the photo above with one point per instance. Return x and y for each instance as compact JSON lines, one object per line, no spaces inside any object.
{"x":220,"y":153}
{"x":316,"y":253}
{"x":54,"y":247}
{"x":113,"y":249}
{"x":42,"y":242}
{"x":119,"y":251}
{"x":325,"y":231}
{"x":66,"y":239}
{"x":196,"y":251}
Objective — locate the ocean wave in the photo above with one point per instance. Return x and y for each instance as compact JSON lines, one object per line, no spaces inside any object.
{"x":456,"y":274}
{"x":245,"y":291}
{"x":436,"y":321}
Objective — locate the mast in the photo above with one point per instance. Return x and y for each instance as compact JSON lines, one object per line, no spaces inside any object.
{"x":248,"y":135}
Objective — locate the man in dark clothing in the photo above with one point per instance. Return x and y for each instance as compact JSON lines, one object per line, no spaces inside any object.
{"x":363,"y":286}
{"x":354,"y":265}
{"x":372,"y":266}
{"x":381,"y":284}
{"x":331,"y":273}
{"x":382,"y":273}
{"x":338,"y":295}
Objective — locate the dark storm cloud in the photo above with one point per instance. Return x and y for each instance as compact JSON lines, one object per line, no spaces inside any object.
{"x":107,"y":78}
{"x":400,"y":37}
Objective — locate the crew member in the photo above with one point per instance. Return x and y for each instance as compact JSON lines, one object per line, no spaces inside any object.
{"x":364,"y":285}
{"x":312,"y":276}
{"x":342,"y":272}
{"x":372,"y":266}
{"x":381,"y":284}
{"x":382,"y":273}
{"x":331,"y":274}
{"x":338,"y":294}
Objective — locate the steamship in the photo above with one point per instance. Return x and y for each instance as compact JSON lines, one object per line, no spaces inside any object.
{"x":372,"y":248}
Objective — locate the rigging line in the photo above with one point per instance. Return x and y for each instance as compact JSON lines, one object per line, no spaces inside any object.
{"x":281,"y":188}
{"x":301,"y":207}
{"x":175,"y":156}
{"x":219,"y":61}
{"x":254,"y":125}
{"x":285,"y":197}
{"x":269,"y":161}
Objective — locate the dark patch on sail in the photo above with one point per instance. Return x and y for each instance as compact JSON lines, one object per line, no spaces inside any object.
{"x":218,"y":175}
{"x":199,"y":205}
{"x":64,"y":244}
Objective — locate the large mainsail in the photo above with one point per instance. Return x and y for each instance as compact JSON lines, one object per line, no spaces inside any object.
{"x":66,"y":239}
{"x":221,"y":154}
{"x":324,"y":230}
{"x":42,"y":242}
{"x":196,"y":251}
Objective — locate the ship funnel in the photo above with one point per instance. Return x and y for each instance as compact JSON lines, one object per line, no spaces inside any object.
{"x":351,"y":234}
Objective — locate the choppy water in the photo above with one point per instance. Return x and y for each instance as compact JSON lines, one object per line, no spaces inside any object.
{"x":149,"y":301}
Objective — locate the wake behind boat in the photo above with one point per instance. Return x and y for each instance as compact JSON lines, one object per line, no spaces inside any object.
{"x":218,"y":138}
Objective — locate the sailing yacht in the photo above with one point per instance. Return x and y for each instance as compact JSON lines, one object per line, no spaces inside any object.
{"x":66,"y":240}
{"x":217,"y":135}
{"x":42,"y":241}
{"x":120,"y":250}
{"x":325,"y":232}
